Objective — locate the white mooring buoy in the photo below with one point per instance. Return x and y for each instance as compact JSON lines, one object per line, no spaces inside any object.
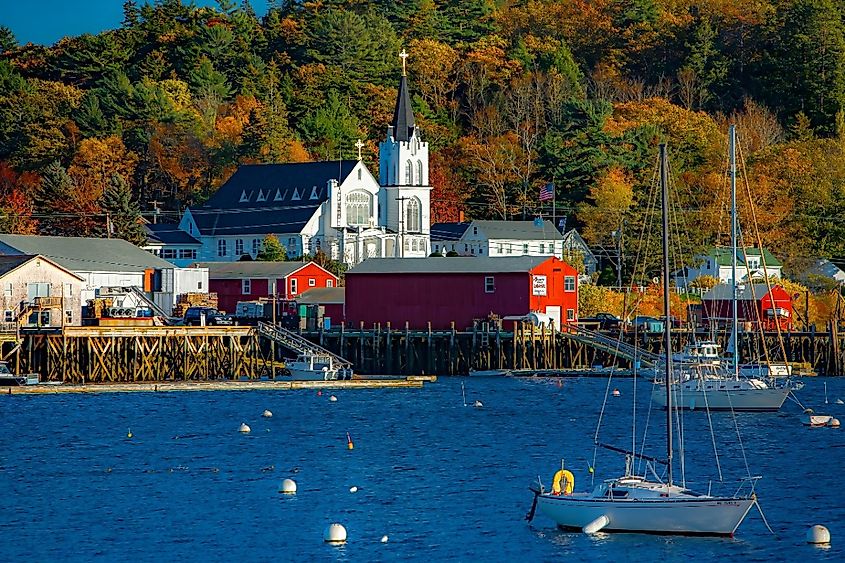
{"x":267,"y":414}
{"x":833,"y":423}
{"x":334,"y":533}
{"x":353,"y":489}
{"x":244,"y":428}
{"x":288,"y":487}
{"x":478,"y":404}
{"x":384,"y":539}
{"x":333,"y":399}
{"x":617,"y":393}
{"x":818,"y":535}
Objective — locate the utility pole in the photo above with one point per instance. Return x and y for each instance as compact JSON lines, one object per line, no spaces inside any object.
{"x":272,"y":340}
{"x":156,"y":211}
{"x":402,"y":201}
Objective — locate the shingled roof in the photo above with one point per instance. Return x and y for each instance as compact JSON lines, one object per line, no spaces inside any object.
{"x":269,"y":198}
{"x":442,"y":265}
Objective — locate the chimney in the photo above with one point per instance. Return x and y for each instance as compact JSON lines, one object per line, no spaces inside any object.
{"x":460,"y":216}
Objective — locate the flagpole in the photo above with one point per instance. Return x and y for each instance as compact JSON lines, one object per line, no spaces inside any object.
{"x":554,"y":204}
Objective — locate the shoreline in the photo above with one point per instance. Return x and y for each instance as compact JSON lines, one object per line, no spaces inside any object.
{"x":409,"y":382}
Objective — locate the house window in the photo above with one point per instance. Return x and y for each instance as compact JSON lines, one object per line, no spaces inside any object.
{"x":168,"y":253}
{"x":436,"y":248}
{"x":8,"y":316}
{"x":358,"y":208}
{"x":569,"y":283}
{"x":271,"y":287}
{"x":510,"y":248}
{"x":475,"y":230}
{"x":413,"y":215}
{"x":293,"y":286}
{"x":221,"y":248}
{"x":246,"y":287}
{"x":199,"y":285}
{"x":239,"y":247}
{"x":7,"y":289}
{"x":525,"y":249}
{"x":570,"y":314}
{"x":312,"y":282}
{"x":542,"y":248}
{"x":489,"y":284}
{"x":188,"y":253}
{"x":68,"y":317}
{"x":256,"y":245}
{"x":329,"y":283}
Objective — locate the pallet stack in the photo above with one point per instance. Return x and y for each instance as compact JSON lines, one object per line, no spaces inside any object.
{"x":187,"y":300}
{"x":97,"y":307}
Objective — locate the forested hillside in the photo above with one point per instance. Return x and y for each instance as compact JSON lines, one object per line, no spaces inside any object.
{"x":511,"y":95}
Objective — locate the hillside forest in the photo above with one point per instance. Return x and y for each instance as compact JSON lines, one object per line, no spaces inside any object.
{"x":155,"y":115}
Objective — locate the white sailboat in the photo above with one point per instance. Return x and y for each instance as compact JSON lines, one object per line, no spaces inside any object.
{"x":633,"y":503}
{"x":702,"y":382}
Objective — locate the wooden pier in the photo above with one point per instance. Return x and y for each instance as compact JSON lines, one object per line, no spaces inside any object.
{"x":85,"y":355}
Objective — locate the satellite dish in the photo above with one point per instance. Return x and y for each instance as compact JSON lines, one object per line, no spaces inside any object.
{"x":655,"y":280}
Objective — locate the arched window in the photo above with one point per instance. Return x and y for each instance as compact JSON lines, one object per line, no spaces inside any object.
{"x":409,"y":173}
{"x":419,"y":173}
{"x":358,"y":208}
{"x":413,"y":215}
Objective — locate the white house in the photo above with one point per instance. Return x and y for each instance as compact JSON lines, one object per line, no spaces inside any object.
{"x":498,"y":238}
{"x":168,"y":241}
{"x":337,"y":207}
{"x":103,"y":263}
{"x":752,"y":263}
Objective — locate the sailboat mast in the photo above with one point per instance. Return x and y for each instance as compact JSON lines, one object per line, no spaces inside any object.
{"x":667,"y":328}
{"x":734,"y":312}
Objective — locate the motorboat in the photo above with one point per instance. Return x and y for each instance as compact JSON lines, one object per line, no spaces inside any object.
{"x":9,"y":379}
{"x":312,"y":366}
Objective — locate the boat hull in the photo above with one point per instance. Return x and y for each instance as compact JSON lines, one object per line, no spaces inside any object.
{"x":758,"y":400}
{"x":711,"y":516}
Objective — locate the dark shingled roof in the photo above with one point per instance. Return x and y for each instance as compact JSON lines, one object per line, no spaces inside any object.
{"x":168,"y":233}
{"x":9,"y":263}
{"x":448,"y":231}
{"x":269,"y":198}
{"x":403,"y":114}
{"x":443,"y":265}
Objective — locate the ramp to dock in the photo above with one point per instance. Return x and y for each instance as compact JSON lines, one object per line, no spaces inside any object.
{"x":611,"y":345}
{"x":298,"y":344}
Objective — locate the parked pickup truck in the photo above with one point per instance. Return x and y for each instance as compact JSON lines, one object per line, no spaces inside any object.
{"x":602,"y":321}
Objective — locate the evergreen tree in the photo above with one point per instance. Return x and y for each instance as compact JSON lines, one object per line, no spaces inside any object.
{"x":124,"y":215}
{"x":273,"y":250}
{"x":7,"y":39}
{"x":332,"y":129}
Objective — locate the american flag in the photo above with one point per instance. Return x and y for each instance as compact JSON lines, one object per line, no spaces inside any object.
{"x":547,"y":192}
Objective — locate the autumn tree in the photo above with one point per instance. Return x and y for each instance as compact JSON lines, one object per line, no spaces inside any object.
{"x":272,"y":250}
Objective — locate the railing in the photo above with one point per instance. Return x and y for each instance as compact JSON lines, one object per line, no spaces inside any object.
{"x":297,"y":343}
{"x":612,"y":345}
{"x":46,"y":302}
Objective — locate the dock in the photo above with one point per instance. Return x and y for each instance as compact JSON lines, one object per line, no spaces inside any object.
{"x":410,"y":382}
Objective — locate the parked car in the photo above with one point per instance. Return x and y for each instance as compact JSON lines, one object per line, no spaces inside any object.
{"x":643,"y":323}
{"x":603,"y":321}
{"x":213,"y":317}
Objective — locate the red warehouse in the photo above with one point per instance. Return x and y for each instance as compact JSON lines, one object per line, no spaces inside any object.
{"x":768,"y":309}
{"x":249,"y":281}
{"x":461,"y":289}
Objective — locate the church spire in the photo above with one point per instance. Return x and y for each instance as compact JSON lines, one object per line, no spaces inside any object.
{"x":403,"y":115}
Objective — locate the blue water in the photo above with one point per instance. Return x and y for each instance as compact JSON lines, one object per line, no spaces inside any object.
{"x":445,"y":482}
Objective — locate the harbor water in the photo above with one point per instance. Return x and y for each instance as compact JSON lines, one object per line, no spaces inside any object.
{"x":443,"y":481}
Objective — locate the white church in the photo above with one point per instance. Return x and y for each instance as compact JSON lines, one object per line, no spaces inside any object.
{"x":337,"y":206}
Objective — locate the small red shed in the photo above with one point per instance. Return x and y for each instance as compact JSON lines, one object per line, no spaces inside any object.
{"x":461,"y":289}
{"x":249,"y":281}
{"x":755,"y":304}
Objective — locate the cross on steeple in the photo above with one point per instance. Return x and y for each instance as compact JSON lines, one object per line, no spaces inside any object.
{"x":359,"y":145}
{"x":403,"y":55}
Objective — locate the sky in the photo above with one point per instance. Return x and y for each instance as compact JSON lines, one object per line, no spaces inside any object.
{"x":47,"y":21}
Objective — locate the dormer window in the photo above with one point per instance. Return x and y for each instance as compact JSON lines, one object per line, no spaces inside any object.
{"x":296,"y":196}
{"x":278,"y":195}
{"x":261,"y":196}
{"x":244,"y":197}
{"x":314,"y":193}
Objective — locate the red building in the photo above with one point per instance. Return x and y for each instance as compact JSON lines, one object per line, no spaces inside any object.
{"x":461,"y":289}
{"x":249,"y":281}
{"x":759,"y":306}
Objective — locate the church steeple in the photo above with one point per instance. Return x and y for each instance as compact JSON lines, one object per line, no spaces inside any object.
{"x":403,"y":115}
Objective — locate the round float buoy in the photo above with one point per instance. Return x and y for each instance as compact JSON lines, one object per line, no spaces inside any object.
{"x":384,"y":539}
{"x":833,"y":423}
{"x":267,"y":414}
{"x":334,"y":533}
{"x":478,"y":404}
{"x":319,"y":393}
{"x":617,"y":393}
{"x":353,"y":489}
{"x":288,"y":487}
{"x":128,"y":432}
{"x":243,"y":428}
{"x":333,"y":399}
{"x":818,"y":535}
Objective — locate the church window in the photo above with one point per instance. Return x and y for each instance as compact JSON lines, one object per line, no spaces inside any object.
{"x":221,"y":248}
{"x":419,"y":173}
{"x":359,"y":173}
{"x":358,"y":208}
{"x":414,"y":215}
{"x":409,"y":173}
{"x":239,"y":247}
